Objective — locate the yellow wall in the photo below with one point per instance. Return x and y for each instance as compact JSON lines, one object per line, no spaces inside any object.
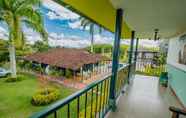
{"x":101,"y":11}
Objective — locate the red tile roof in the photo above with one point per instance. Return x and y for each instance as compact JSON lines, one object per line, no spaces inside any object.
{"x":66,"y":58}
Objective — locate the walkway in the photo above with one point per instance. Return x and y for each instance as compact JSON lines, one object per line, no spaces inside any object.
{"x":96,"y":76}
{"x":145,"y":99}
{"x":74,"y":82}
{"x":66,"y":82}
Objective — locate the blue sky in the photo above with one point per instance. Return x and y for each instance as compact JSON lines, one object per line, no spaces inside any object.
{"x":64,"y":29}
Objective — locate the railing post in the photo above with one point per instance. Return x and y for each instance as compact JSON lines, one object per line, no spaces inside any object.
{"x":115,"y":61}
{"x":130,"y":55}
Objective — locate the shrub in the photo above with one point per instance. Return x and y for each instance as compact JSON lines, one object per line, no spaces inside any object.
{"x":55,"y":72}
{"x":38,"y":68}
{"x":69,"y":74}
{"x":45,"y":96}
{"x":14,"y":79}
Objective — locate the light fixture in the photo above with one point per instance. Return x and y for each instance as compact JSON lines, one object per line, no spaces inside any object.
{"x":156,"y":36}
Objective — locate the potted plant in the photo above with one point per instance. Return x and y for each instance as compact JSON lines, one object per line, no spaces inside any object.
{"x":164,"y":79}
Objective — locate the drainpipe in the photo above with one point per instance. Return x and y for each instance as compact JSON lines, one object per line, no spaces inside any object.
{"x":130,"y":55}
{"x":115,"y":59}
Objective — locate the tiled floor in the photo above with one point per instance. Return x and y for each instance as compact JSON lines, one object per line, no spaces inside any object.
{"x":145,"y":99}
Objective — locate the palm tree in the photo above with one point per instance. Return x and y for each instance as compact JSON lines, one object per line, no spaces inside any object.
{"x":87,"y":23}
{"x":15,"y":13}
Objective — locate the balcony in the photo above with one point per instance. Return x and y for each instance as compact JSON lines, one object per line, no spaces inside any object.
{"x":122,"y":94}
{"x":145,"y":98}
{"x":142,"y":98}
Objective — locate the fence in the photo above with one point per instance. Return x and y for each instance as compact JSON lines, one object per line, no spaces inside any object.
{"x":92,"y":101}
{"x":149,"y":67}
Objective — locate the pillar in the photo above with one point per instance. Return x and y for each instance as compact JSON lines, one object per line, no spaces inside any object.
{"x":115,"y":58}
{"x":130,"y":55}
{"x":136,"y":52}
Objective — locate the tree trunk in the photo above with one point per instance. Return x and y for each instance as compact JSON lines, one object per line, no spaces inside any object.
{"x":92,"y":38}
{"x":12,"y":61}
{"x":103,"y":51}
{"x":92,"y":42}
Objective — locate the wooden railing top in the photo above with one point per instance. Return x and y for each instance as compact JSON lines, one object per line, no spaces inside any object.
{"x":177,"y":111}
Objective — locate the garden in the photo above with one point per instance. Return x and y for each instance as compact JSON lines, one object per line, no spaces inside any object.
{"x":16,"y":97}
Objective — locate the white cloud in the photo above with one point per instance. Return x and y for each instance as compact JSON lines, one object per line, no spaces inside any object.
{"x":143,"y":42}
{"x":71,"y":42}
{"x":2,"y":30}
{"x":58,"y":12}
{"x":75,"y":25}
{"x":53,"y":15}
{"x":3,"y":33}
{"x":55,"y":36}
{"x":98,"y":39}
{"x":74,"y":41}
{"x":149,"y":43}
{"x":31,"y":36}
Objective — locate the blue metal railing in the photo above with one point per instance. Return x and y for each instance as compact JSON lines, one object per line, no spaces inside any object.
{"x":92,"y":101}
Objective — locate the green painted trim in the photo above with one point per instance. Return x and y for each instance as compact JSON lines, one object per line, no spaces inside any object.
{"x":177,"y":68}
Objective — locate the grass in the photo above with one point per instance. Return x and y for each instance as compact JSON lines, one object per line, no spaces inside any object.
{"x":99,"y":102}
{"x":15,"y":97}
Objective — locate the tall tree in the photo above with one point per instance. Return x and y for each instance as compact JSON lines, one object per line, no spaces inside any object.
{"x":15,"y":13}
{"x":87,"y":23}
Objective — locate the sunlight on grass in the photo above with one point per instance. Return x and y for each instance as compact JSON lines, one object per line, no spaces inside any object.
{"x":16,"y":97}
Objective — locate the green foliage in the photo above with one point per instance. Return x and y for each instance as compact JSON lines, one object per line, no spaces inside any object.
{"x":106,"y":49}
{"x":92,"y":30}
{"x":55,"y":72}
{"x":69,"y":74}
{"x":23,"y":52}
{"x":41,"y":46}
{"x":152,"y":71}
{"x":87,"y":23}
{"x":124,"y":53}
{"x":3,"y":45}
{"x":98,"y":48}
{"x":149,"y":48}
{"x":18,"y":78}
{"x":15,"y":12}
{"x":24,"y":65}
{"x":161,"y":59}
{"x":39,"y":68}
{"x":45,"y":96}
{"x":4,"y":56}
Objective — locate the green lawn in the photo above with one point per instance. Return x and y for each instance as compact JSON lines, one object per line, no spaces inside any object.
{"x":15,"y":97}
